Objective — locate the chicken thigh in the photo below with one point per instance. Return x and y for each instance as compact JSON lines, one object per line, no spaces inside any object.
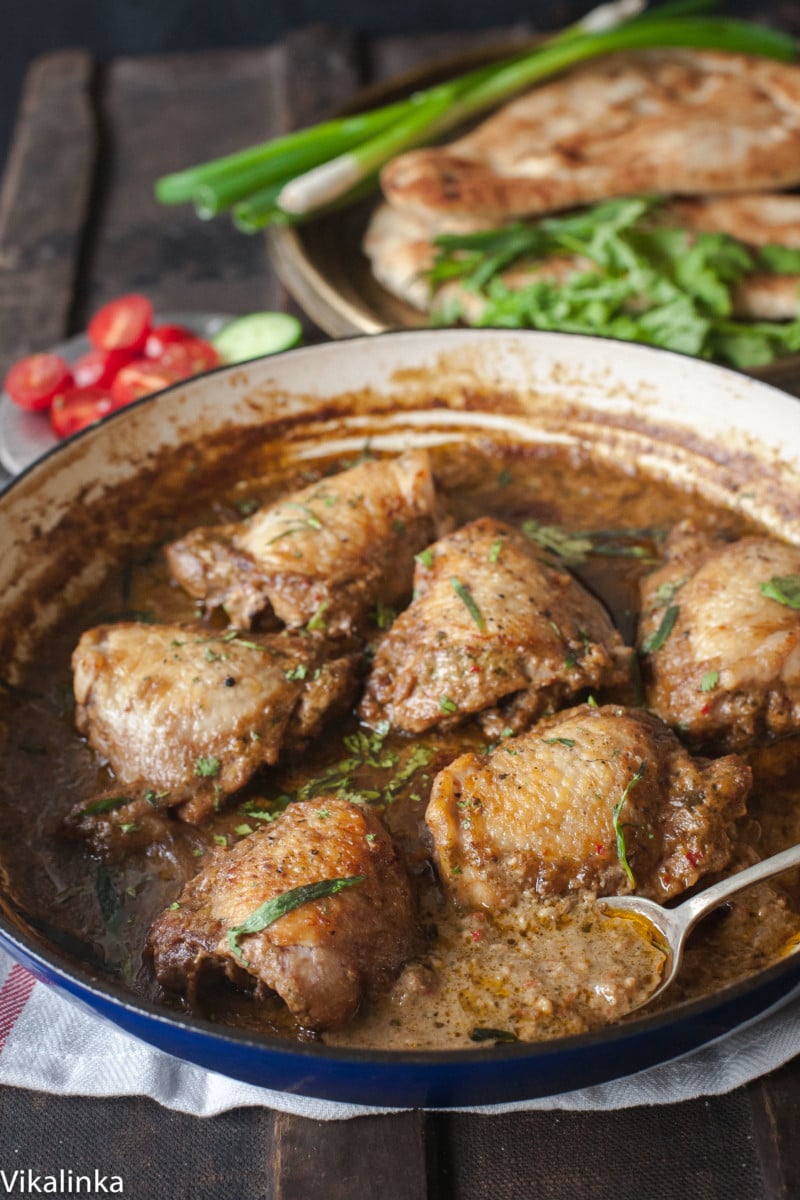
{"x":720,"y":636}
{"x":604,"y":799}
{"x":320,"y":957}
{"x":193,"y":715}
{"x":324,"y":554}
{"x":492,"y":630}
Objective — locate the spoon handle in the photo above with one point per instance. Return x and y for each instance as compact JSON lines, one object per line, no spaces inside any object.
{"x":692,"y":910}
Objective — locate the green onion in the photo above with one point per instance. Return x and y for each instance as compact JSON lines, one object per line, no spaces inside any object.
{"x":272,"y":910}
{"x":469,"y":602}
{"x":656,"y":640}
{"x":783,"y":588}
{"x":618,"y":830}
{"x":306,"y":172}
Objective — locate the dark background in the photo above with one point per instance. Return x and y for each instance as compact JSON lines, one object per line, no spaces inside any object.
{"x":113,"y":27}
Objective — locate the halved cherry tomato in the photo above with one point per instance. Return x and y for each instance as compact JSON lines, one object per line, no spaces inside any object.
{"x":161,"y":336}
{"x":34,"y":381}
{"x":140,"y":378}
{"x":78,"y":407}
{"x":98,"y":368}
{"x":122,"y":324}
{"x":189,"y":357}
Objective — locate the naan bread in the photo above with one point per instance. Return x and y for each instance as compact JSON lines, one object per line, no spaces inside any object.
{"x":400,"y":248}
{"x":673,"y":121}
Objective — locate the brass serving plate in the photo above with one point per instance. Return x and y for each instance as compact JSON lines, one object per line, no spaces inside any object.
{"x":324,"y":268}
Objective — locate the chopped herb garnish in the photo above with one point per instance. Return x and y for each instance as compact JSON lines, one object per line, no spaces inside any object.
{"x":666,"y":591}
{"x":383,"y":615}
{"x":272,"y":910}
{"x":592,"y":702}
{"x":371,"y":837}
{"x":570,"y":662}
{"x":174,"y":906}
{"x":130,"y":827}
{"x":709,"y":681}
{"x":505,"y":478}
{"x":447,"y":705}
{"x":571,"y":546}
{"x":494,"y":550}
{"x":69,"y":894}
{"x":657,"y":639}
{"x":103,"y":805}
{"x":468,"y":600}
{"x":243,"y":829}
{"x":569,"y":742}
{"x":482,"y":1034}
{"x":783,"y":588}
{"x":207,"y":768}
{"x":296,"y":673}
{"x":324,"y":813}
{"x":220,"y":839}
{"x":317,"y":621}
{"x":425,"y":558}
{"x":400,"y":527}
{"x":618,"y":829}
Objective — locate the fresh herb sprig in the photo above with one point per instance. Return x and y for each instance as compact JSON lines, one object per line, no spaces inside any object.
{"x":637,"y":278}
{"x":619,"y":832}
{"x":278,"y":906}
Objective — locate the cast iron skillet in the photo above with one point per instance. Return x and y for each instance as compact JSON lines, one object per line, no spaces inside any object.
{"x":72,"y":511}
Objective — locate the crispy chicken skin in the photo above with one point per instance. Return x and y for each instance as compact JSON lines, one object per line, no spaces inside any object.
{"x":672,"y":121}
{"x":322,"y":957}
{"x":537,"y":813}
{"x":193,"y":715}
{"x":329,"y":551}
{"x":492,"y":630}
{"x":728,"y":674}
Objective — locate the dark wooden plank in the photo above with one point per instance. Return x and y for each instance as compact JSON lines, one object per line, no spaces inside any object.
{"x":701,"y":1148}
{"x":44,"y":203}
{"x":160,"y":114}
{"x":776,"y":1118}
{"x":159,"y":1154}
{"x":350,"y":1160}
{"x":398,"y":54}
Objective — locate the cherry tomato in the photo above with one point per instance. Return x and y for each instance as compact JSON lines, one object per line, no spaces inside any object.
{"x":140,"y":378}
{"x":122,"y":324}
{"x":161,"y":336}
{"x":78,"y":407}
{"x":189,"y":357}
{"x":34,"y":381}
{"x":98,"y":368}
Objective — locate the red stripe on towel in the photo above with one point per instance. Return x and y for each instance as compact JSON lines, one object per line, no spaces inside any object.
{"x":13,"y":998}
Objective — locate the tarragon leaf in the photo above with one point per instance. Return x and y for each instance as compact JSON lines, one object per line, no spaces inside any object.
{"x":278,"y":906}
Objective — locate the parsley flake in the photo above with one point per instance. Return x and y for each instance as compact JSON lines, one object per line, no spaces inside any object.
{"x":207,"y":768}
{"x":709,"y":681}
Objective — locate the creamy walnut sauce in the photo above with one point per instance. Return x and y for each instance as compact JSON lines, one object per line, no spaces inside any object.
{"x":536,"y":970}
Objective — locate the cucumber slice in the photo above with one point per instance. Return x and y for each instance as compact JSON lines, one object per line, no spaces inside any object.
{"x":256,"y":334}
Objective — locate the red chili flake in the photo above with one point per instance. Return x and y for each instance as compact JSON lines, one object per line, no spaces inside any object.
{"x":474,"y":669}
{"x":705,"y":710}
{"x":600,"y":848}
{"x":476,"y":935}
{"x":695,"y":856}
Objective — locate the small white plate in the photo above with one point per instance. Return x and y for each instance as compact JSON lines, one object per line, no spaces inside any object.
{"x":26,"y":436}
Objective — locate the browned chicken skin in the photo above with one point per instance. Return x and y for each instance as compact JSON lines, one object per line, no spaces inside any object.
{"x":324,"y":554}
{"x":193,"y":715}
{"x":321,"y":957}
{"x":728,"y":673}
{"x":492,"y":630}
{"x":537,"y":813}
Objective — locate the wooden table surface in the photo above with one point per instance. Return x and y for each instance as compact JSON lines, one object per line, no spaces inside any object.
{"x":78,"y":225}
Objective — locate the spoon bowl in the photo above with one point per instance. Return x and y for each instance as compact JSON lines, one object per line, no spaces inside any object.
{"x":669,"y":928}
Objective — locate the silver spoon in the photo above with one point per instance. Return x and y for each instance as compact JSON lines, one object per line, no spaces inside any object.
{"x":670,"y":927}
